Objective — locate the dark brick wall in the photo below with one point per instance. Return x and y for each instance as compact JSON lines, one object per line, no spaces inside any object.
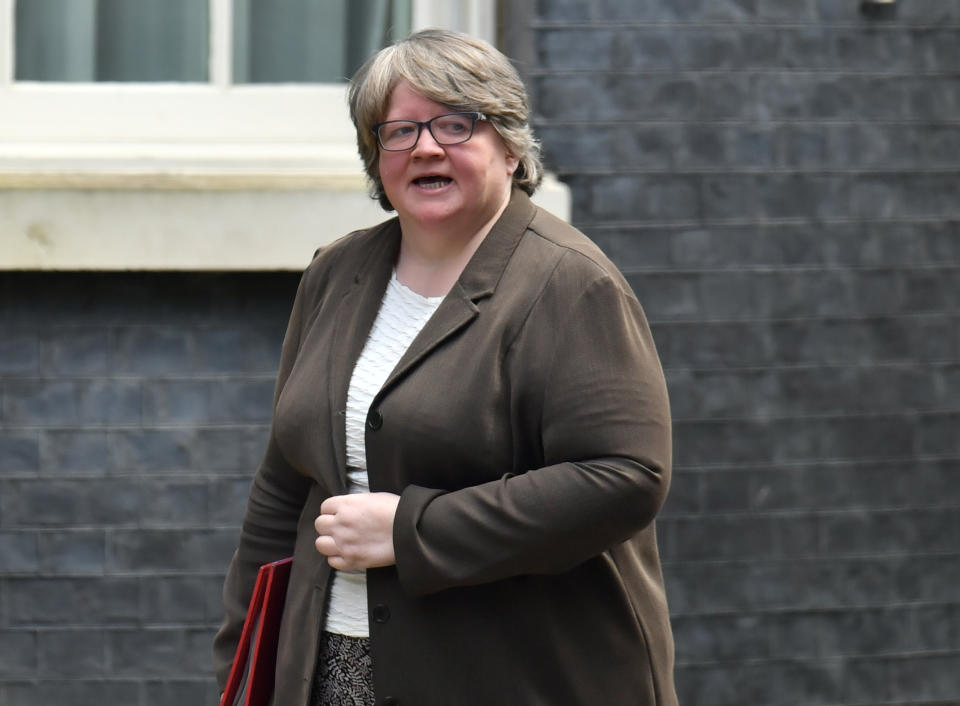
{"x":133,"y":411}
{"x":780,"y":181}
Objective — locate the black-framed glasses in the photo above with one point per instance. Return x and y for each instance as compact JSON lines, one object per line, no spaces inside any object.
{"x":446,"y":129}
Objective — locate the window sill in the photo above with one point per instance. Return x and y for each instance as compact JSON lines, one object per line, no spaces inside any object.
{"x":197,"y":219}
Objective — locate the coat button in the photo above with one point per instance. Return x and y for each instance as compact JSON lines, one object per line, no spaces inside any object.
{"x":381,"y":613}
{"x":374,"y":419}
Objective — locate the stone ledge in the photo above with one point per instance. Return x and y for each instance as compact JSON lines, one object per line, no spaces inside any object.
{"x":200,"y":221}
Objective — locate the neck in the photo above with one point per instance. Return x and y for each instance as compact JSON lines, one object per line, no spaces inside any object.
{"x":432,"y":259}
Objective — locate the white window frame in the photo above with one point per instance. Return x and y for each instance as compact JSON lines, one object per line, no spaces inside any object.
{"x":50,"y":128}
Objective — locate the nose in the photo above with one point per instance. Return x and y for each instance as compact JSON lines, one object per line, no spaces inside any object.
{"x":426,"y":145}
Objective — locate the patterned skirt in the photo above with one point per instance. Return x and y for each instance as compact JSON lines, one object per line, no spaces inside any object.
{"x":344,"y":674}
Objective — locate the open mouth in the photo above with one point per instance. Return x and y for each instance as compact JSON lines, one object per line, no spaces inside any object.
{"x":432,"y":182}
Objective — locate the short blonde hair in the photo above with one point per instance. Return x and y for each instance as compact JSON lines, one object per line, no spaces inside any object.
{"x":453,"y":69}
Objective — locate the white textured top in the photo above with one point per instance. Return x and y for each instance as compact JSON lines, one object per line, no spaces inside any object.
{"x":402,"y":314}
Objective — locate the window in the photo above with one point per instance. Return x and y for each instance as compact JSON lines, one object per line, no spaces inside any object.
{"x":222,"y":85}
{"x":191,"y":134}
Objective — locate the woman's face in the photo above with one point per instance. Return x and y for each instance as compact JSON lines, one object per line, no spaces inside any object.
{"x":458,"y":188}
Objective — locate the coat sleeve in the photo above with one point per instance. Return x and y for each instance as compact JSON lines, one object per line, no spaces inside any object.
{"x":597,"y":407}
{"x":277,"y":496}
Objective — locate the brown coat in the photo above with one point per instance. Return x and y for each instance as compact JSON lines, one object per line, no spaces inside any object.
{"x":527,"y":430}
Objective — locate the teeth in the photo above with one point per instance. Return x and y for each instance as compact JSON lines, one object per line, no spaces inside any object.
{"x":434,"y":182}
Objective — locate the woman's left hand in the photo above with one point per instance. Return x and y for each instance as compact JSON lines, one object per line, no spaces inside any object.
{"x":356,"y":531}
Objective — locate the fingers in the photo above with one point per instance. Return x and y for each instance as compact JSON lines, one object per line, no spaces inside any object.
{"x":356,"y":531}
{"x":326,"y":545}
{"x":331,"y":505}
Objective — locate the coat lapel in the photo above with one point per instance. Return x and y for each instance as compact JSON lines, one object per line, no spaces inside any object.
{"x":478,"y":281}
{"x":361,"y":303}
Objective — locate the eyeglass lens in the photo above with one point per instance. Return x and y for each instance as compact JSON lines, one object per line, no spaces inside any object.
{"x":449,"y":129}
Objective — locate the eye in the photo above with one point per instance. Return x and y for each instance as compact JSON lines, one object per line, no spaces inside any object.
{"x":454,"y":124}
{"x":397,"y":131}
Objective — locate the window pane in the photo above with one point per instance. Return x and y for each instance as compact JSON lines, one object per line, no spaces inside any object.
{"x":112,"y":40}
{"x":312,"y":41}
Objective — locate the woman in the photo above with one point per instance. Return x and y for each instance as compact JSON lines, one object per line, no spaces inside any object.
{"x":471,"y":433}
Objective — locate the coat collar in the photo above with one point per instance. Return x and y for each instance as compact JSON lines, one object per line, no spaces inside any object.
{"x":482,"y":273}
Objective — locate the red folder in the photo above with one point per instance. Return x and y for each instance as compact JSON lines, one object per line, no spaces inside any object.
{"x":251,"y":677}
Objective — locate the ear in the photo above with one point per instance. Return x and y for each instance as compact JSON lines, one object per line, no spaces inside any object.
{"x":512,"y":164}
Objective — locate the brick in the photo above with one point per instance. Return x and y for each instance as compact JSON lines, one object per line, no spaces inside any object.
{"x":19,"y":351}
{"x":786,"y":10}
{"x":667,"y":296}
{"x":719,"y":638}
{"x":19,"y":452}
{"x":796,"y":536}
{"x":930,"y":12}
{"x":930,"y":290}
{"x":937,"y":434}
{"x":164,"y":693}
{"x":702,"y":146}
{"x":730,"y":538}
{"x":741,"y":586}
{"x":77,"y":351}
{"x":932,"y":98}
{"x":65,"y":602}
{"x":149,"y":450}
{"x":890,"y":532}
{"x":934,"y":627}
{"x":71,"y":653}
{"x":727,"y":10}
{"x":250,"y":349}
{"x":18,"y":550}
{"x":163,"y":550}
{"x":200,"y":450}
{"x":772,"y":683}
{"x":58,"y":503}
{"x":857,"y":50}
{"x":830,"y":197}
{"x":710,"y":50}
{"x":66,"y":452}
{"x":235,"y":450}
{"x":806,"y":48}
{"x":802,"y":146}
{"x":728,"y":196}
{"x":56,"y":402}
{"x":78,"y":551}
{"x":580,"y":49}
{"x":601,"y":148}
{"x":197,"y":649}
{"x":149,"y":350}
{"x":194,"y":401}
{"x":644,"y":198}
{"x":864,"y":632}
{"x":563,"y":10}
{"x":18,"y":654}
{"x":728,"y":491}
{"x":228,"y":500}
{"x":168,"y":503}
{"x":924,"y":677}
{"x":72,"y":692}
{"x":940,"y":242}
{"x":180,"y":600}
{"x":698,"y":343}
{"x":684,"y":495}
{"x":865,"y":681}
{"x":152,"y":652}
{"x":697,"y":684}
{"x":725,"y":97}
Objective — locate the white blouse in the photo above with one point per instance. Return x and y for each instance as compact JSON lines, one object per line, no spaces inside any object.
{"x":403,"y":313}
